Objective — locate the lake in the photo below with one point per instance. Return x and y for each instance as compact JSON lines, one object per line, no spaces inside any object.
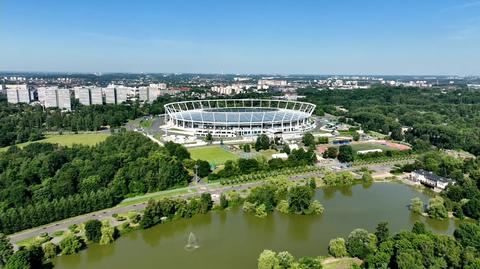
{"x":232,"y":239}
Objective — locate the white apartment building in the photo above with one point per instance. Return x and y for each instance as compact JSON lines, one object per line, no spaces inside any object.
{"x":47,"y":96}
{"x":54,"y":97}
{"x":64,"y":99}
{"x":96,"y":96}
{"x":18,"y":94}
{"x":267,"y":83}
{"x":110,"y":97}
{"x":228,"y":90}
{"x":83,"y":95}
{"x":123,"y":93}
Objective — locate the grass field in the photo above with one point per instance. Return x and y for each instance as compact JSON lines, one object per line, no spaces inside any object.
{"x":367,"y":146}
{"x":146,"y":123}
{"x":88,"y":139}
{"x":212,"y":154}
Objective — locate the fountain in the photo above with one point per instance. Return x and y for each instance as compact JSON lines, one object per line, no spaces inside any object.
{"x":192,"y":243}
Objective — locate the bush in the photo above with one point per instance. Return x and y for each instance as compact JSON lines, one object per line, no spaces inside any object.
{"x":282,"y":207}
{"x":93,"y":230}
{"x":316,"y":208}
{"x":337,"y":247}
{"x":261,"y":211}
{"x":416,"y":205}
{"x":50,"y":250}
{"x":71,"y":244}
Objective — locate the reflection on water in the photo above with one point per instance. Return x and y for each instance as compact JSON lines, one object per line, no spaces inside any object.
{"x":232,"y":239}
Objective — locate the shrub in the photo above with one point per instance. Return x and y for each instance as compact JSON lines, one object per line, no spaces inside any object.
{"x":337,"y":247}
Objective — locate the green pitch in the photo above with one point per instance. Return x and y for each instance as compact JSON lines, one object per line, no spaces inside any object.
{"x":212,"y":154}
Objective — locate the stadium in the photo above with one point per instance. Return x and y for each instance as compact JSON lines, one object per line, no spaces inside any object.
{"x":240,"y":117}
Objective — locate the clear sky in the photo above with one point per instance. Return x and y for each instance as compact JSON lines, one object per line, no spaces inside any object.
{"x":420,"y":37}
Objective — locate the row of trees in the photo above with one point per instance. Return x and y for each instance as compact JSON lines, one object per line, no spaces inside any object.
{"x":242,"y":166}
{"x":33,"y":215}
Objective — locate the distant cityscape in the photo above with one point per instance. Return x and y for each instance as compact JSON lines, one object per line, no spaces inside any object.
{"x":60,"y":90}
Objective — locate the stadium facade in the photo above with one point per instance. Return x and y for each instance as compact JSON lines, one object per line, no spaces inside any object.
{"x":240,"y":117}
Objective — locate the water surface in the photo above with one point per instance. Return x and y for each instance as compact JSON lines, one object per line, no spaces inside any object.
{"x":232,"y":239}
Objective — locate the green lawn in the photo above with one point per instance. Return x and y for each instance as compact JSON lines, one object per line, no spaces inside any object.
{"x":367,"y":146}
{"x":146,"y":123}
{"x":213,"y":154}
{"x":88,"y":139}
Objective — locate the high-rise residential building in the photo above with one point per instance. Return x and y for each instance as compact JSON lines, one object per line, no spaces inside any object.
{"x":110,"y":96}
{"x":96,"y":96}
{"x":54,"y":97}
{"x":64,"y":99}
{"x":122,"y":93}
{"x":47,"y":96}
{"x":83,"y":95}
{"x":143,"y":93}
{"x":18,"y":94}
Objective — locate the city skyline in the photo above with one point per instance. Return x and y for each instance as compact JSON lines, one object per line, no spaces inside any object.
{"x":350,"y":38}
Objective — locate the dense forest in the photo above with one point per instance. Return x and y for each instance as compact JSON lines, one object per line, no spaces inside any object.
{"x":44,"y":182}
{"x":449,"y":120}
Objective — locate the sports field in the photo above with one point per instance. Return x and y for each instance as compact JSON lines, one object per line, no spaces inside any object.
{"x":212,"y":154}
{"x":88,"y":139}
{"x":367,"y":146}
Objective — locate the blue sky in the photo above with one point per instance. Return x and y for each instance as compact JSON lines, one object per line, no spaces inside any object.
{"x":265,"y":36}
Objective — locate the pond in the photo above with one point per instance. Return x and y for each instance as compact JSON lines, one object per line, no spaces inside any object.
{"x":232,"y":239}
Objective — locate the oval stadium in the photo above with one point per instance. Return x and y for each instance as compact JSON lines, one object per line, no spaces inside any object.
{"x":240,"y":117}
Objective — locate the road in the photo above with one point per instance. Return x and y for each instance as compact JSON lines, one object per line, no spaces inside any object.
{"x":106,"y":214}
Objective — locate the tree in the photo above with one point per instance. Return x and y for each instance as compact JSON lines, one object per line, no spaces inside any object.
{"x":262,"y":143}
{"x":93,"y":230}
{"x":419,"y":228}
{"x":323,"y":140}
{"x":436,"y":208}
{"x":299,"y":199}
{"x":285,"y":260}
{"x":468,"y":234}
{"x":331,"y":153}
{"x":382,"y":232}
{"x":109,"y":234}
{"x":209,"y":138}
{"x":50,"y":250}
{"x":6,"y":249}
{"x":337,"y":247}
{"x":268,"y":260}
{"x":312,"y":184}
{"x":309,"y":263}
{"x":246,"y":148}
{"x":260,"y":211}
{"x":472,"y":208}
{"x":206,"y":202}
{"x":223,"y":201}
{"x":356,"y":136}
{"x":19,"y":260}
{"x":203,"y":168}
{"x":71,"y":244}
{"x":416,"y":205}
{"x":360,"y":243}
{"x":345,"y":154}
{"x":308,"y":139}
